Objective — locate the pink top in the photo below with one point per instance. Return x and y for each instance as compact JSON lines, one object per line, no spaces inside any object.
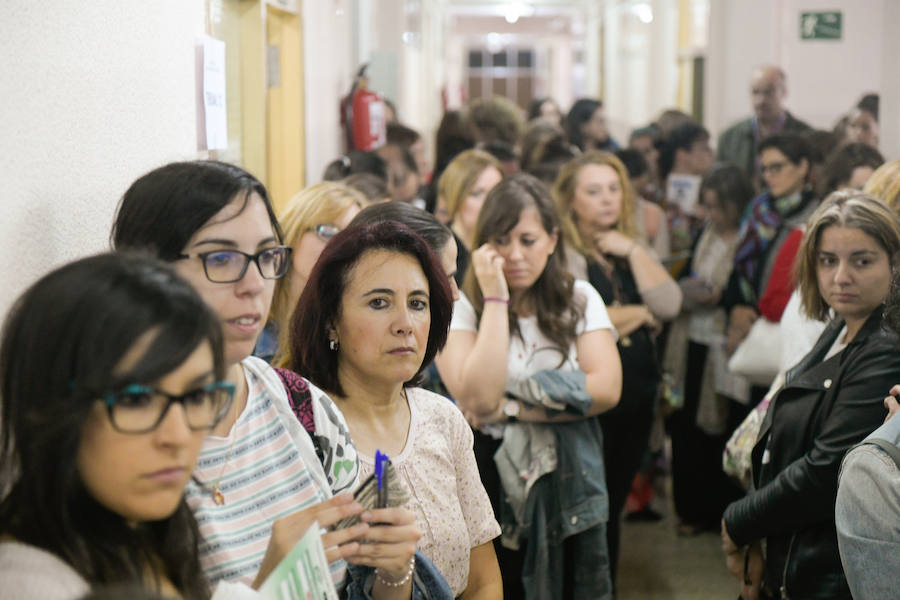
{"x":438,"y":468}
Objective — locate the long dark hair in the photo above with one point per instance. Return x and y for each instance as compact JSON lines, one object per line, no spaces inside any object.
{"x":556,"y":307}
{"x":162,"y":209}
{"x":60,"y":344}
{"x":580,"y":113}
{"x":320,"y":303}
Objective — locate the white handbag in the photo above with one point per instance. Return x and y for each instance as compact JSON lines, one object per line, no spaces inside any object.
{"x":758,"y":357}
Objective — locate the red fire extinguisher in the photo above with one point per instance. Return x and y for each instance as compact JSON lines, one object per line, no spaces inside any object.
{"x":363,"y":116}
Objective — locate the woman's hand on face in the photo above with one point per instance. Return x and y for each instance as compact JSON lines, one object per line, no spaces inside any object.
{"x":287,"y":531}
{"x":390,"y":542}
{"x":891,"y":403}
{"x":488,"y":265}
{"x":614,"y":243}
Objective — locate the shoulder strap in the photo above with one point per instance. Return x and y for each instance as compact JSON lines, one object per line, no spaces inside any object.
{"x":891,"y":449}
{"x":300,"y":399}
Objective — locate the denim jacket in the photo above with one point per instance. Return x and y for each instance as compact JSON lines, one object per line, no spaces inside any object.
{"x":570,"y":500}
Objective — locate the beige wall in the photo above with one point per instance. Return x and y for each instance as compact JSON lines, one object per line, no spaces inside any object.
{"x":93,"y":95}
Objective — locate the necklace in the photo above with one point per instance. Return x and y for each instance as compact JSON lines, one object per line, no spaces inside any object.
{"x":217,"y":496}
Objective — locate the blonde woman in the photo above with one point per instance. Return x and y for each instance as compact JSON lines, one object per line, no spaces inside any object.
{"x":596,"y":207}
{"x":310,"y":220}
{"x":462,"y":188}
{"x":884,"y":184}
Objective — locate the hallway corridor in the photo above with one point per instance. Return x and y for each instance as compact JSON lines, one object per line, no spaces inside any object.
{"x":656,"y":564}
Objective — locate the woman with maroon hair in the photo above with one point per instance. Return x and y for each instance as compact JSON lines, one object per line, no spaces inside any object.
{"x":373,"y":315}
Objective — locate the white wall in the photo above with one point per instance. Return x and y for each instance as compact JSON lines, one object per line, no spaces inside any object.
{"x":93,"y":95}
{"x":328,"y":70}
{"x":825,"y":77}
{"x":640,"y":65}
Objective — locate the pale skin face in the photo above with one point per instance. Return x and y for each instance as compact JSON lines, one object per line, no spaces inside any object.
{"x":644,"y":145}
{"x":859,"y":177}
{"x":307,"y":250}
{"x":384,"y":319}
{"x":721,"y":220}
{"x":595,"y":130}
{"x":448,"y":256}
{"x":141,"y":477}
{"x":853,"y":273}
{"x":863,"y":128}
{"x":417,"y":149}
{"x":471,"y":204}
{"x":525,"y":250}
{"x":781,"y":175}
{"x":550,"y":112}
{"x":242,"y":306}
{"x":597,"y":203}
{"x":696,"y":161}
{"x":767,"y":93}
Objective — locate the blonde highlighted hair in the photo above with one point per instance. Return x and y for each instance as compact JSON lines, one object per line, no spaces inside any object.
{"x":884,"y":184}
{"x":460,"y":175}
{"x":316,"y":205}
{"x":844,"y":208}
{"x":564,"y":196}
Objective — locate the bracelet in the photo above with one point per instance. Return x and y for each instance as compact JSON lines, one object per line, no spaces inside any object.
{"x":497,"y":299}
{"x":396,"y":584}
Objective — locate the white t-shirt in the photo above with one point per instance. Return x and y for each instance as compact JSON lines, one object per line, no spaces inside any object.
{"x":533,"y":352}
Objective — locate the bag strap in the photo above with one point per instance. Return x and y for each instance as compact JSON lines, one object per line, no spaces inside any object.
{"x":891,"y":449}
{"x":300,"y":399}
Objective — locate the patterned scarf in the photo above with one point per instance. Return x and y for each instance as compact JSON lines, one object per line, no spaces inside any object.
{"x":759,"y":229}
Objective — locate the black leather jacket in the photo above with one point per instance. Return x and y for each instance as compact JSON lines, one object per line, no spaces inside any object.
{"x":825,"y":407}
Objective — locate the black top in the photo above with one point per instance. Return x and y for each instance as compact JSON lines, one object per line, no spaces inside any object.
{"x":824,"y":409}
{"x":640,"y":367}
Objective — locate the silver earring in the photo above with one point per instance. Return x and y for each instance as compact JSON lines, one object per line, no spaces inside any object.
{"x":333,"y":345}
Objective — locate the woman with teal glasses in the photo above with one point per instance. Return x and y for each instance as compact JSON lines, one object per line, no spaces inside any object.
{"x":111,"y":375}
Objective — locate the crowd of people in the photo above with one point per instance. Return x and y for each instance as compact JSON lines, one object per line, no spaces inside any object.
{"x":517,"y":326}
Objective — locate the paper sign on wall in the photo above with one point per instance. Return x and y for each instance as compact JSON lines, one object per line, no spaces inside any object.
{"x":216,"y":118}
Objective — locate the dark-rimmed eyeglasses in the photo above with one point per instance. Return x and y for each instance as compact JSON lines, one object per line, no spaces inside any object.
{"x":140,"y":408}
{"x":228,"y":266}
{"x":773,"y":168}
{"x":326,"y":231}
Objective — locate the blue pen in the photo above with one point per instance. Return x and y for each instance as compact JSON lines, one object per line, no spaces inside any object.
{"x":380,"y":459}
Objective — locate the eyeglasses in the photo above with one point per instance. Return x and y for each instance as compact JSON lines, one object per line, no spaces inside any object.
{"x":773,"y":168}
{"x":140,"y":408}
{"x":326,"y":231}
{"x":228,"y":266}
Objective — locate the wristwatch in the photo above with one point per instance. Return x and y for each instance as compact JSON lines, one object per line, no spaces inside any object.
{"x":511,"y":410}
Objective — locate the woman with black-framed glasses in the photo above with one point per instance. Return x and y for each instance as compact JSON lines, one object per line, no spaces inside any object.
{"x":282,"y":456}
{"x":111,"y":371}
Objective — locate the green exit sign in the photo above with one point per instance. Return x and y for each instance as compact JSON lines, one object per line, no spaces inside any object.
{"x":826,"y":25}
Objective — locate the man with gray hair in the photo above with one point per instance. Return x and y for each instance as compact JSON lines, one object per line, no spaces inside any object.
{"x":738,"y":143}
